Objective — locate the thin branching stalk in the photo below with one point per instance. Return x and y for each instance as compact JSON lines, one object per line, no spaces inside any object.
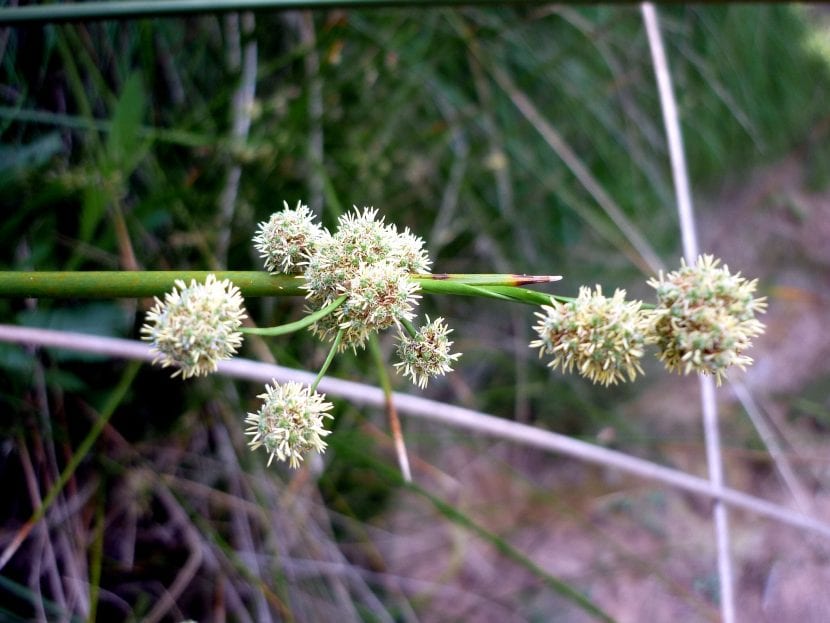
{"x":685,"y":210}
{"x":409,"y":327}
{"x":391,"y":412}
{"x":302,"y":323}
{"x":457,"y":417}
{"x":329,"y":358}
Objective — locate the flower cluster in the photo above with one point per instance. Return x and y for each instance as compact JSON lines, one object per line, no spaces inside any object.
{"x":288,"y":238}
{"x":196,"y":326}
{"x":427,"y":353}
{"x":706,"y":318}
{"x":602,"y":338}
{"x":289,"y":423}
{"x":366,"y":260}
{"x":703,"y":322}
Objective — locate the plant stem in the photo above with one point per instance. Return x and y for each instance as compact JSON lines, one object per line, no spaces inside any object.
{"x":302,"y":323}
{"x":504,"y":293}
{"x":489,"y":279}
{"x":137,"y":284}
{"x":127,"y":9}
{"x":410,"y":328}
{"x":391,"y":413}
{"x":329,"y":359}
{"x":252,"y":283}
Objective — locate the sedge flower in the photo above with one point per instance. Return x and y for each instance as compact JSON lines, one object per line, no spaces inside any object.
{"x":378,"y":296}
{"x":602,"y":338}
{"x":288,"y":238}
{"x":196,"y":326}
{"x":370,"y":262}
{"x":289,"y":424}
{"x":427,"y":354}
{"x":705,"y":318}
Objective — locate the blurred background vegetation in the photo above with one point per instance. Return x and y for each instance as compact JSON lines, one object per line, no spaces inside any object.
{"x":160,"y":143}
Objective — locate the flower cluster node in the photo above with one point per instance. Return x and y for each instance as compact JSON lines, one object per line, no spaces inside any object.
{"x":427,"y":354}
{"x":370,"y":262}
{"x":602,"y":338}
{"x":379,"y":295}
{"x":287,"y":239}
{"x":705,"y":318}
{"x":196,"y":326}
{"x":289,"y":424}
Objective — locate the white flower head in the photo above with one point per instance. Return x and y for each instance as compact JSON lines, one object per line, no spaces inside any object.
{"x":370,"y":262}
{"x":288,"y":238}
{"x":427,"y":354}
{"x":705,"y":318}
{"x":378,"y":296}
{"x":361,"y":239}
{"x":602,"y":338}
{"x":289,"y":424}
{"x":196,"y":326}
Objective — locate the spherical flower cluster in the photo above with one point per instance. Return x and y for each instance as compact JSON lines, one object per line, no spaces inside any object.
{"x":602,"y":338}
{"x":370,"y":263}
{"x":288,"y":238}
{"x":705,"y":318}
{"x":289,"y":424}
{"x":196,"y":326}
{"x":379,"y":295}
{"x":427,"y":354}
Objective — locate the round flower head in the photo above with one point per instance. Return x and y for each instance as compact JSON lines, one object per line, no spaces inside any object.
{"x":361,"y":239}
{"x":370,"y":263}
{"x":427,"y":354}
{"x":378,"y":296}
{"x":706,"y":318}
{"x":196,"y":326}
{"x":289,"y":424}
{"x":603,"y":338}
{"x":409,"y":253}
{"x":288,"y":238}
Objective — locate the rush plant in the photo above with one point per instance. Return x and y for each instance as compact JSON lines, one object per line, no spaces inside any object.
{"x":367,"y":277}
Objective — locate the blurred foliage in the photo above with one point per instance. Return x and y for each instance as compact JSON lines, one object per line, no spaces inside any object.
{"x":116,"y":149}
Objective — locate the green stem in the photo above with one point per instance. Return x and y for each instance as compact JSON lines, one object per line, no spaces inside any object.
{"x":252,"y":283}
{"x":126,"y":284}
{"x":302,"y":323}
{"x":410,"y":328}
{"x":329,"y":359}
{"x":504,"y":293}
{"x":488,"y":279}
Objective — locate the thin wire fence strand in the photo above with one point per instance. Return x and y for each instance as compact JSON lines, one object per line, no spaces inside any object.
{"x":457,"y":417}
{"x":688,"y":231}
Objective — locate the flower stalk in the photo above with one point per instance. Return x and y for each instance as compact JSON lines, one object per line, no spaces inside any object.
{"x":251,"y":283}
